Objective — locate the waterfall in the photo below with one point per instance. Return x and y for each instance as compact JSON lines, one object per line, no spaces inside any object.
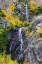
{"x":20,"y":37}
{"x":11,"y":48}
{"x":25,"y":12}
{"x":21,"y":44}
{"x":26,"y":6}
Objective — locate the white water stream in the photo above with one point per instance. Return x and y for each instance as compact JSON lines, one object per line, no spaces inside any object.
{"x":26,"y":6}
{"x":20,"y":37}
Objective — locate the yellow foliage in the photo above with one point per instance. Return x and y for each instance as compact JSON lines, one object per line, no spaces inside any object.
{"x":32,"y":33}
{"x":26,"y":35}
{"x":25,"y":61}
{"x":32,"y":5}
{"x":15,"y":21}
{"x":39,"y":30}
{"x":5,"y":59}
{"x":11,"y":8}
{"x":4,"y":12}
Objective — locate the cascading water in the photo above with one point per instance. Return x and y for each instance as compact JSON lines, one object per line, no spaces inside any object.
{"x":20,"y":29}
{"x":11,"y":48}
{"x":25,"y":12}
{"x":20,"y":34}
{"x":20,"y":37}
{"x":26,"y":6}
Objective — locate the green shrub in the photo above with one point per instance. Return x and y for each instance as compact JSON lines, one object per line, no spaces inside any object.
{"x":3,"y":39}
{"x":38,"y":10}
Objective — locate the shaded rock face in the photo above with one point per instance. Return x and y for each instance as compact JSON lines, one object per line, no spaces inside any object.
{"x":15,"y":44}
{"x":13,"y":34}
{"x":14,"y":40}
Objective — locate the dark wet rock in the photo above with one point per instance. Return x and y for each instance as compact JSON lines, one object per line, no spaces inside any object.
{"x":13,"y":34}
{"x":16,"y":45}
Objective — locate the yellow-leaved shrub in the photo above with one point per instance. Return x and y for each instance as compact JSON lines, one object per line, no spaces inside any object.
{"x":11,"y":8}
{"x":15,"y":21}
{"x":39,"y":30}
{"x":5,"y":59}
{"x":26,"y":34}
{"x":31,"y":33}
{"x":25,"y":61}
{"x":32,"y":5}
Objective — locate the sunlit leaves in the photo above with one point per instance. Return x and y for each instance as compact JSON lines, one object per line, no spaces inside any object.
{"x":15,"y":21}
{"x":5,"y":59}
{"x":11,"y":8}
{"x":39,"y":30}
{"x":32,"y":5}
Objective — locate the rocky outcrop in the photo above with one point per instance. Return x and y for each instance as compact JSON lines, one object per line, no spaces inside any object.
{"x":33,"y":51}
{"x":4,"y":4}
{"x":34,"y":48}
